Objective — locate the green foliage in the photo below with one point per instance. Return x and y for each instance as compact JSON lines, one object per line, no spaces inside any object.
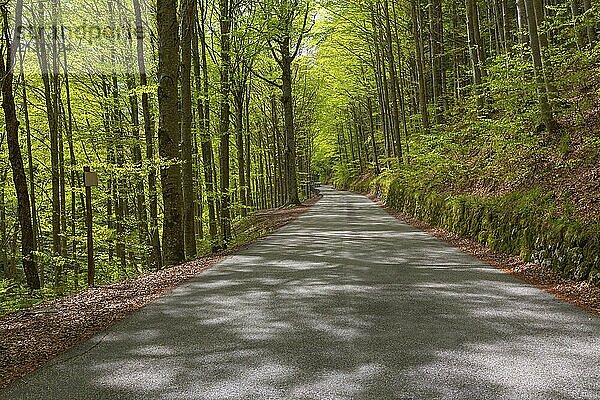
{"x":343,"y":175}
{"x":14,"y":296}
{"x":522,"y":223}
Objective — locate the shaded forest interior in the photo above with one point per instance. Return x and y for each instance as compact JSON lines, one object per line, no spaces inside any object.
{"x":196,"y":114}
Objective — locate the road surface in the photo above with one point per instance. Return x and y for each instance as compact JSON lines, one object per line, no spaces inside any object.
{"x":345,"y":303}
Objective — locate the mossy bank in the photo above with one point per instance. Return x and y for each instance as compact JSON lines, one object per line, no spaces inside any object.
{"x":523,"y":223}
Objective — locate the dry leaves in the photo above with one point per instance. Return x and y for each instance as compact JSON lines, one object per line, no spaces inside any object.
{"x":31,"y":337}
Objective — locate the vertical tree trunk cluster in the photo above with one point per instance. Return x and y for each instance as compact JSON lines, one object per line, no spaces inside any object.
{"x":429,"y":58}
{"x":130,"y":122}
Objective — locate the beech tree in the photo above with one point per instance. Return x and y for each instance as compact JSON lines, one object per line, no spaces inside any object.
{"x":7,"y":64}
{"x":169,"y":134}
{"x":290,"y":22}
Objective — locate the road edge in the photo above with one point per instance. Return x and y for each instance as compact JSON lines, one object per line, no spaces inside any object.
{"x":581,"y":294}
{"x":32,"y":337}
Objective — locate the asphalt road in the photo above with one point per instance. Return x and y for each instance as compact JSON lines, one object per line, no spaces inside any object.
{"x":345,"y":303}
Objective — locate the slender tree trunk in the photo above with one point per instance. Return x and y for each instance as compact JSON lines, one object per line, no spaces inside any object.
{"x":154,"y":238}
{"x":119,"y":156}
{"x":3,"y":231}
{"x":110,"y":161}
{"x":249,"y":191}
{"x":420,"y":64}
{"x":579,"y":30}
{"x":400,"y":89}
{"x":590,"y":23}
{"x":436,"y":37}
{"x":14,"y":150}
{"x":225,"y":112}
{"x":189,"y":193}
{"x":56,"y":99}
{"x":395,"y":116}
{"x":31,"y":169}
{"x":381,"y":82}
{"x":522,"y":25}
{"x":72,"y":162}
{"x":506,"y":26}
{"x":51,"y":114}
{"x":538,"y":69}
{"x":372,"y":132}
{"x":473,"y":34}
{"x":288,"y":121}
{"x":239,"y":139}
{"x":140,"y":196}
{"x":203,"y":105}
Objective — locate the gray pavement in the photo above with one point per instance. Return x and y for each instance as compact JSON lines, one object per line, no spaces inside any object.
{"x":345,"y":303}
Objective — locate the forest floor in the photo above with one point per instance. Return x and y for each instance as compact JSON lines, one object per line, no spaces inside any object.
{"x":582,"y":294}
{"x":31,"y":337}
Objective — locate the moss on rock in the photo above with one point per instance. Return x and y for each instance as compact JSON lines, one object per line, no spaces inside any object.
{"x":518,"y":223}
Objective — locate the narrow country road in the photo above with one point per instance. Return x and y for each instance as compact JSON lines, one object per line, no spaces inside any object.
{"x":345,"y":303}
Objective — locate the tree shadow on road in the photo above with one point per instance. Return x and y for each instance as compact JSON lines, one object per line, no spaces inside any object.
{"x":346,"y":303}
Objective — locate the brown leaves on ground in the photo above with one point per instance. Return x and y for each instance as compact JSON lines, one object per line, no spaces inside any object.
{"x":582,"y":294}
{"x":31,"y":337}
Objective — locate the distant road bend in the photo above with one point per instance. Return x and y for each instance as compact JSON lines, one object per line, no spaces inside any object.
{"x":345,"y":303}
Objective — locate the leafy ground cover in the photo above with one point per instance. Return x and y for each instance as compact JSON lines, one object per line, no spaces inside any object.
{"x":32,"y":336}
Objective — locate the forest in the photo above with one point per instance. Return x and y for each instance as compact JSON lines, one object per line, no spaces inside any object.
{"x":478,"y":116}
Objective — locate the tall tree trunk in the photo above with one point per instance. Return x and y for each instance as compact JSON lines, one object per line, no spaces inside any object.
{"x":288,"y":122}
{"x":117,"y":117}
{"x":382,"y":88}
{"x":156,"y":257}
{"x":72,"y":162}
{"x":590,"y":23}
{"x":506,"y":25}
{"x":579,"y":30}
{"x":472,"y":35}
{"x":189,"y":194}
{"x":239,"y":140}
{"x":169,"y":135}
{"x":420,"y":64}
{"x":110,"y":161}
{"x":249,"y":192}
{"x":225,"y":24}
{"x":140,"y":196}
{"x":401,"y":89}
{"x":3,"y":231}
{"x":14,"y":150}
{"x":538,"y":69}
{"x":52,"y":116}
{"x":31,"y":168}
{"x":203,"y":104}
{"x":522,"y":25}
{"x":56,"y":99}
{"x":436,"y":38}
{"x":395,"y":115}
{"x":136,"y":153}
{"x":539,"y":10}
{"x":372,"y":132}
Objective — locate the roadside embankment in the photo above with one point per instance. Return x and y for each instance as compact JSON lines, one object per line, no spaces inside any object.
{"x":517,"y":223}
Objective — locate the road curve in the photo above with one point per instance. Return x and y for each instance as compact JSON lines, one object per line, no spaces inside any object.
{"x":345,"y":303}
